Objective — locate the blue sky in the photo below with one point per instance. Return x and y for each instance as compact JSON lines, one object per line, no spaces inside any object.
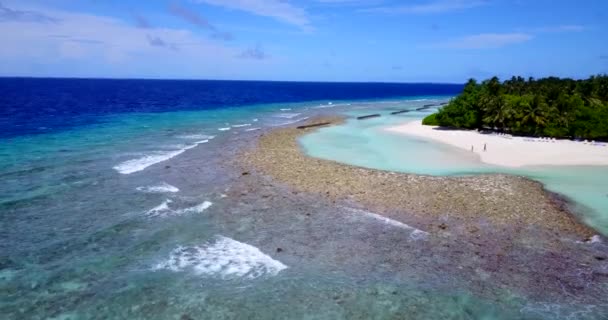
{"x":308,"y":40}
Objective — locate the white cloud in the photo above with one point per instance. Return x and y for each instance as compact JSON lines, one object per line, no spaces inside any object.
{"x":276,"y":9}
{"x":561,"y":28}
{"x":9,"y":14}
{"x":100,"y":45}
{"x":499,"y":40}
{"x":433,"y":7}
{"x":484,"y":41}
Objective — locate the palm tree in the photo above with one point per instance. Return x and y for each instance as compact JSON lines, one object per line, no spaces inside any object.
{"x":499,"y":113}
{"x":535,"y":114}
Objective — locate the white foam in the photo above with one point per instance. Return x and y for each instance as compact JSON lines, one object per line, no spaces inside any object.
{"x":252,"y":129}
{"x":196,"y":137}
{"x":291,"y":122}
{"x":224,"y":129}
{"x":225,"y":258}
{"x":287,"y":115}
{"x":196,"y":209}
{"x":142,"y":163}
{"x":285,"y":109}
{"x":241,"y":125}
{"x":163,"y":210}
{"x":416,"y":234}
{"x":595,"y":239}
{"x":255,"y":120}
{"x":139,"y":164}
{"x":160,"y":209}
{"x":159,"y":188}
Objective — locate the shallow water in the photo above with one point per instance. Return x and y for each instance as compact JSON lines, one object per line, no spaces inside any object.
{"x":367,"y":144}
{"x":140,"y":216}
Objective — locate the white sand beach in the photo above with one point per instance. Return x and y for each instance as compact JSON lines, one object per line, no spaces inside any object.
{"x":508,"y":151}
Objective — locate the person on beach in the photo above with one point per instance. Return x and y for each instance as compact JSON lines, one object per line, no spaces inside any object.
{"x":485,"y":147}
{"x":471,"y":148}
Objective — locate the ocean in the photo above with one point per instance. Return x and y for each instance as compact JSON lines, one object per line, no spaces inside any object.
{"x":119,"y":201}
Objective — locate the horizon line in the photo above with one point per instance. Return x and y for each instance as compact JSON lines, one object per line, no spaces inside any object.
{"x":226,"y":80}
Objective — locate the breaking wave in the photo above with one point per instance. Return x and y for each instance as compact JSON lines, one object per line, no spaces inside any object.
{"x":225,"y":258}
{"x":164,"y":210}
{"x":139,"y":164}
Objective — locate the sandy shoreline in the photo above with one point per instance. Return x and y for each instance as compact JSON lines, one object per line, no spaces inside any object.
{"x":498,"y":233}
{"x":425,"y":202}
{"x":512,"y":151}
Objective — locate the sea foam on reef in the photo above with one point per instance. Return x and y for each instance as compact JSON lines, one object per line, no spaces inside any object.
{"x":225,"y":258}
{"x":139,"y":164}
{"x":196,"y":136}
{"x":159,"y":188}
{"x":286,"y":115}
{"x":415,"y":234}
{"x":164,"y":210}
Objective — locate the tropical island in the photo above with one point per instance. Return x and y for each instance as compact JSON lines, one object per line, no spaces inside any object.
{"x":547,"y":107}
{"x":520,"y":122}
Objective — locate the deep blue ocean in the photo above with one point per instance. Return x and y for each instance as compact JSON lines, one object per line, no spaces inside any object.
{"x":29,"y":106}
{"x":120,"y":199}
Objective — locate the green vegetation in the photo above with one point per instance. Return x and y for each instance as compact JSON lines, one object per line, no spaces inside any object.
{"x":552,"y":107}
{"x":430,"y":120}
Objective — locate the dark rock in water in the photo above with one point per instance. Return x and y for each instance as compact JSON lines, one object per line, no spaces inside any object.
{"x":279,"y":249}
{"x":600,"y":258}
{"x":560,"y":201}
{"x":245,"y":173}
{"x":186,"y":317}
{"x":400,"y":111}
{"x":443,"y":226}
{"x":167,"y":167}
{"x":368,"y":116}
{"x":313,"y":125}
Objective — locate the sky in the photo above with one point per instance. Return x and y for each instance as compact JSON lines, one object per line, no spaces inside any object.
{"x":304,"y":40}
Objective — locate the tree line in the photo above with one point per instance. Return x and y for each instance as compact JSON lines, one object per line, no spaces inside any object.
{"x":548,"y":107}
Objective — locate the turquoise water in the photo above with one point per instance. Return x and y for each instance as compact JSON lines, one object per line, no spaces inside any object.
{"x":139,"y":216}
{"x":367,"y":144}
